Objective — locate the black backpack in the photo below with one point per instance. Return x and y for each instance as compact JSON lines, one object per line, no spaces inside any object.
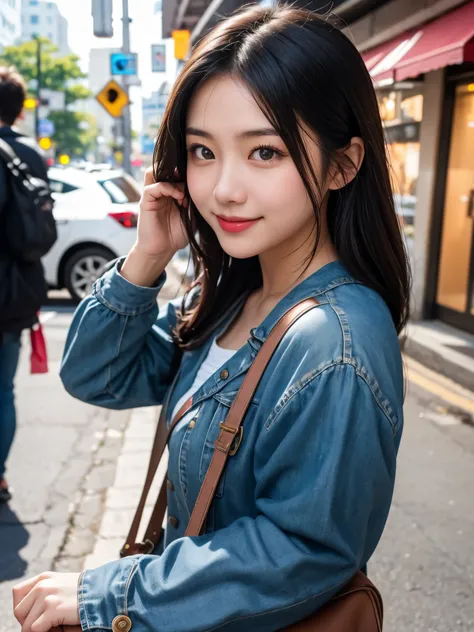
{"x":27,"y":226}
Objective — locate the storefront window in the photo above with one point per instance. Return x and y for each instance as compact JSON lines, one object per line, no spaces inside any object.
{"x":402,"y":112}
{"x":456,"y":276}
{"x":412,"y":108}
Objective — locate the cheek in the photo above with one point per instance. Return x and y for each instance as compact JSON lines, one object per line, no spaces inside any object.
{"x":283,"y":190}
{"x":200,"y":186}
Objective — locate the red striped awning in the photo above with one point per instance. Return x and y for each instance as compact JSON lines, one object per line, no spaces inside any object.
{"x":446,"y":41}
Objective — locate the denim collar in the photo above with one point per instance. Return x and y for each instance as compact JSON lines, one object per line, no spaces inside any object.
{"x":326,"y":278}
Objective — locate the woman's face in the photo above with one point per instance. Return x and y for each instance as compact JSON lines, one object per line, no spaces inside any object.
{"x":240,"y":169}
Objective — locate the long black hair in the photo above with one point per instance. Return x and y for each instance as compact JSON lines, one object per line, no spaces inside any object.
{"x":302,"y":71}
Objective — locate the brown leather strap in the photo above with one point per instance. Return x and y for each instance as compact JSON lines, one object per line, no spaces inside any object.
{"x":159,"y":444}
{"x":226,"y":444}
{"x":231,"y":430}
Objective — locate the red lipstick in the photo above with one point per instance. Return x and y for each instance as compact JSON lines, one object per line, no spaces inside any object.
{"x":235,"y":224}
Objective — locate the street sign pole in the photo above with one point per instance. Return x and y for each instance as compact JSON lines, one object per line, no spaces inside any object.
{"x":127,"y":123}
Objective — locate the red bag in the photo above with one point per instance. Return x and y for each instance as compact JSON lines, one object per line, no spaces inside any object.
{"x":39,"y":355}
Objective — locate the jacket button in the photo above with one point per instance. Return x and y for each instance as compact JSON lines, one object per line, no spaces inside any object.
{"x":170,"y":485}
{"x":173,"y":522}
{"x":191,"y":424}
{"x":224,"y":374}
{"x":121,"y":623}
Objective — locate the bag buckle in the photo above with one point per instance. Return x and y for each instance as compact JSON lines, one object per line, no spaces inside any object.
{"x":147,"y":546}
{"x":238,"y":436}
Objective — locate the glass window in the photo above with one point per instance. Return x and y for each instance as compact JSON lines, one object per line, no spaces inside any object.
{"x":34,"y":3}
{"x":401,"y":112}
{"x":456,"y":279}
{"x":121,"y":190}
{"x":34,"y":19}
{"x":57,"y":186}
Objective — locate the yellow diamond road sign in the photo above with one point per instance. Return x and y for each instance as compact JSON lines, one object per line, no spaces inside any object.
{"x":113,"y":98}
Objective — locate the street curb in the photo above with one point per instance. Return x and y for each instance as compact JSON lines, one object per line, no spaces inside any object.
{"x":437,"y":362}
{"x":441,"y":348}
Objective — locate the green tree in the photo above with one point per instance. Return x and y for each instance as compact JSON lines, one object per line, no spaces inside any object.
{"x":76,"y":132}
{"x":61,"y":74}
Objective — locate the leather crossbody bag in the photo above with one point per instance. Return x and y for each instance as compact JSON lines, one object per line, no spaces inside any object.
{"x":358,"y":606}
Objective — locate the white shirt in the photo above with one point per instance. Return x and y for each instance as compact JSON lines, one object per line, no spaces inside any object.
{"x":215,"y":359}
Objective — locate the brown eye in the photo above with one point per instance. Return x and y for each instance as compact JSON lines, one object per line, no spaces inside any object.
{"x":265,"y":154}
{"x":203,"y":153}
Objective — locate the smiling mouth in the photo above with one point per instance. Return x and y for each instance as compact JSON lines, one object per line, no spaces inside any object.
{"x":235,"y":225}
{"x":237,"y":220}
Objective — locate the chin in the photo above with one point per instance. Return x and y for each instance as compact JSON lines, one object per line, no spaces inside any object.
{"x":239,"y":251}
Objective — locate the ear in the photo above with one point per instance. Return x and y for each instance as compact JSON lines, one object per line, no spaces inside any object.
{"x":346,"y":164}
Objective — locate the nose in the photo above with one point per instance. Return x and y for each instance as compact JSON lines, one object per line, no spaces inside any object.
{"x":230,"y":188}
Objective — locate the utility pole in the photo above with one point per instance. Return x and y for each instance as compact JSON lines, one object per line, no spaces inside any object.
{"x":38,"y":89}
{"x":126,"y":116}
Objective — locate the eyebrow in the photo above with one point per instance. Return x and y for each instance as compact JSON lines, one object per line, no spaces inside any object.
{"x":251,"y":133}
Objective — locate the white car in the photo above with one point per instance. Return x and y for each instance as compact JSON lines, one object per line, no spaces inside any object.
{"x":96,"y":216}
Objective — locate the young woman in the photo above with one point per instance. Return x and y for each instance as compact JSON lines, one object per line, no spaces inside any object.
{"x":271,"y":163}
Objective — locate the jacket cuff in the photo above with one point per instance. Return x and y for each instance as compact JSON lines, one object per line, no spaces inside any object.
{"x":123,"y":297}
{"x":102,"y":594}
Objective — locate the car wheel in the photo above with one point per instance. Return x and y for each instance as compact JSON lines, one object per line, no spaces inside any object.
{"x":83,"y":268}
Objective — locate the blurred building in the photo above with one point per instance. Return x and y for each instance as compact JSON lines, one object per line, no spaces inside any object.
{"x":153,"y":109}
{"x":164,"y":70}
{"x":10,"y":22}
{"x":44,"y":18}
{"x":420,"y":54}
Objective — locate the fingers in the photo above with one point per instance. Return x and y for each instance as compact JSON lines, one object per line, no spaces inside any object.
{"x":42,"y":624}
{"x":21,"y":590}
{"x":149,"y":176}
{"x":23,"y":610}
{"x":34,"y":615}
{"x":154,"y":192}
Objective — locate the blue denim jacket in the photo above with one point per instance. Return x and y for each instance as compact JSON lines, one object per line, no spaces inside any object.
{"x":303,"y":503}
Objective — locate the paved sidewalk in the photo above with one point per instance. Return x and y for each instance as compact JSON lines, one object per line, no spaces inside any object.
{"x":122,"y":498}
{"x":442,"y":348}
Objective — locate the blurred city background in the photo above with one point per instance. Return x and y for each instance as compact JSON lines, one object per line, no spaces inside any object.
{"x":99,"y":73}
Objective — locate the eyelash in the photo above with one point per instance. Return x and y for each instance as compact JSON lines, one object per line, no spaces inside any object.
{"x":278,"y":153}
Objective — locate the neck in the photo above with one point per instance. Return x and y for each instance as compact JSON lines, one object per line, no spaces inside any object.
{"x":282,"y":268}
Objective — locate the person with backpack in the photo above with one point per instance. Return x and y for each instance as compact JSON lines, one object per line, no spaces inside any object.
{"x":27,"y":232}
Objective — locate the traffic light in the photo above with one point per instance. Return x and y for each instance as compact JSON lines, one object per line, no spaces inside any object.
{"x":182,"y":41}
{"x":102,"y":16}
{"x":45,"y":143}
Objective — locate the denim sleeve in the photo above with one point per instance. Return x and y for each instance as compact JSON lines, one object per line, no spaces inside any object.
{"x":324,"y":470}
{"x":119,"y":351}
